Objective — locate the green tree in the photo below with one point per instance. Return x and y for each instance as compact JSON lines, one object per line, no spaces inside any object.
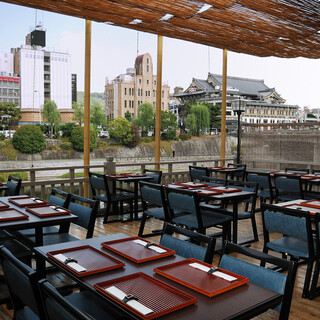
{"x":77,"y":138}
{"x":169,"y":125}
{"x":215,"y":115}
{"x":128,"y":116}
{"x":145,"y":119}
{"x":67,"y":129}
{"x":9,"y":115}
{"x":29,"y":139}
{"x":51,"y":114}
{"x":78,"y":112}
{"x":121,"y":130}
{"x":198,"y":120}
{"x":97,"y":115}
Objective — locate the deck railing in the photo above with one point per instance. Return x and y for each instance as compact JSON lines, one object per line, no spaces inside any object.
{"x":173,"y":171}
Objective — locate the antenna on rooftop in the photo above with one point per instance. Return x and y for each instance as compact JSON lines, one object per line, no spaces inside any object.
{"x":137,"y":43}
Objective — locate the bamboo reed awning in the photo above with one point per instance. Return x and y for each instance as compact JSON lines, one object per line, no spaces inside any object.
{"x":281,"y":28}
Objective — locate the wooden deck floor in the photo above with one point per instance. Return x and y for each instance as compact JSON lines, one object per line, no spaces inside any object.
{"x":301,"y":309}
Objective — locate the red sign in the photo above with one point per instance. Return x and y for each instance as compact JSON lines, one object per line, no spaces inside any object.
{"x":11,"y":79}
{"x":5,"y":78}
{"x":16,"y":80}
{"x":0,"y":78}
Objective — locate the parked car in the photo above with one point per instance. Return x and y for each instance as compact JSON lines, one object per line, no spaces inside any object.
{"x":103,"y":134}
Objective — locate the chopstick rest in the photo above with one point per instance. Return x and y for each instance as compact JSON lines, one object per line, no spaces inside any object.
{"x":70,"y":262}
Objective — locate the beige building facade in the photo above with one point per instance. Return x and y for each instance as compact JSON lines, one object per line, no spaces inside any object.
{"x":138,"y":85}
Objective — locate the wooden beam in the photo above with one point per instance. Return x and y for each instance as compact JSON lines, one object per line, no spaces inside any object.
{"x":86,"y":147}
{"x":224,"y":106}
{"x":158,"y":102}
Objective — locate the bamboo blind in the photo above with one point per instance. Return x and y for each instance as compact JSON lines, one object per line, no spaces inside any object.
{"x":281,"y":28}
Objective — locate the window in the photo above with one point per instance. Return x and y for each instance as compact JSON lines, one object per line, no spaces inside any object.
{"x":125,"y":91}
{"x":129,"y":103}
{"x":149,"y":93}
{"x":125,"y":103}
{"x":147,"y":81}
{"x":139,"y":80}
{"x":162,"y":94}
{"x":147,"y":68}
{"x":129,"y":91}
{"x":147,"y":60}
{"x":132,"y":104}
{"x":146,"y":93}
{"x":154,"y":82}
{"x":154,"y":93}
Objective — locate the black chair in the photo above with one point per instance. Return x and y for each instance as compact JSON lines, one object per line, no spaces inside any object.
{"x":14,"y":186}
{"x":288,"y":187}
{"x":265,"y":189}
{"x":156,"y":175}
{"x":297,"y":170}
{"x":101,"y":192}
{"x":22,"y":284}
{"x":239,"y":173}
{"x":292,"y":236}
{"x":185,"y":210}
{"x":258,"y":275}
{"x":153,"y":205}
{"x":81,"y":305}
{"x":85,"y":209}
{"x":197,"y":245}
{"x":250,"y":206}
{"x":197,"y":173}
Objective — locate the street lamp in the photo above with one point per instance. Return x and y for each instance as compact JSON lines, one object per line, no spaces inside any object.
{"x":238,"y":106}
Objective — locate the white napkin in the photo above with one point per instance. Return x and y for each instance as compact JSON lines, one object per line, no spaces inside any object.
{"x":37,"y":200}
{"x":75,"y":266}
{"x":216,"y":273}
{"x":153,"y":247}
{"x":58,"y":209}
{"x":132,"y":303}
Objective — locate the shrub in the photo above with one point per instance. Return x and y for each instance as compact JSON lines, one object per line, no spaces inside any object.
{"x":170,"y":134}
{"x":29,"y":139}
{"x":2,"y":136}
{"x":135,"y":136}
{"x":184,"y":136}
{"x":2,"y":144}
{"x":22,"y":175}
{"x":77,"y":138}
{"x":102,"y":145}
{"x":67,"y":129}
{"x":66,"y":145}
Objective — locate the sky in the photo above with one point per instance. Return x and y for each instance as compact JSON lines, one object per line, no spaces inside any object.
{"x":114,"y":49}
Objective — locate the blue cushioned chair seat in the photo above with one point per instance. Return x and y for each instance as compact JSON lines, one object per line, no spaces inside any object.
{"x":297,"y":248}
{"x":46,"y":230}
{"x":257,"y":275}
{"x":97,"y":309}
{"x":156,"y":212}
{"x":183,"y":248}
{"x":26,"y":313}
{"x":55,"y":238}
{"x":208,"y":218}
{"x":241,"y":214}
{"x":264,"y":194}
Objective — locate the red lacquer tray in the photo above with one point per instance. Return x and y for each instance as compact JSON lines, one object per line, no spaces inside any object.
{"x":136,"y":175}
{"x":198,"y":280}
{"x":302,"y":206}
{"x":312,"y":204}
{"x":207,"y":191}
{"x":117,"y":176}
{"x":94,"y":260}
{"x":136,"y":252}
{"x":309,"y":177}
{"x":193,"y":184}
{"x":3,"y":205}
{"x":282,"y":172}
{"x":154,"y":294}
{"x":8,"y":214}
{"x":48,"y":210}
{"x":226,"y":189}
{"x":175,"y":185}
{"x":27,"y":201}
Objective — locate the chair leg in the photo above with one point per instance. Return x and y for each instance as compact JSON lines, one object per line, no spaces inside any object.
{"x":254,"y":228}
{"x":307,"y":280}
{"x":106,"y":214}
{"x":314,"y":290}
{"x":142,"y":224}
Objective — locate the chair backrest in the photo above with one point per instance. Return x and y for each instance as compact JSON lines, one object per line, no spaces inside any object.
{"x":56,"y":306}
{"x":22,"y":283}
{"x":297,"y":170}
{"x":59,"y":198}
{"x":293,"y":223}
{"x":213,"y":181}
{"x":315,"y":171}
{"x":261,"y":276}
{"x":262,"y":178}
{"x":191,"y":247}
{"x":288,"y":185}
{"x":197,"y":173}
{"x":184,"y":202}
{"x":156,"y":175}
{"x":14,"y":186}
{"x":99,"y":185}
{"x":152,"y":195}
{"x":86,"y":210}
{"x":240,"y":172}
{"x":247,"y":186}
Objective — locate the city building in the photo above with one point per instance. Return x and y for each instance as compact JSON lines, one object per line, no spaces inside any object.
{"x":44,"y":75}
{"x":9,"y":88}
{"x":138,"y":85}
{"x":264,"y":104}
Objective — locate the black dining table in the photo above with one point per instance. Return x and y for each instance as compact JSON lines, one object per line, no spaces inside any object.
{"x":33,"y":221}
{"x":243,"y":302}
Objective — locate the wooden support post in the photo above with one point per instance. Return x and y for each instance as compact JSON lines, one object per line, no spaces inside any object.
{"x":158,"y":103}
{"x":224,"y":107}
{"x":86,"y":147}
